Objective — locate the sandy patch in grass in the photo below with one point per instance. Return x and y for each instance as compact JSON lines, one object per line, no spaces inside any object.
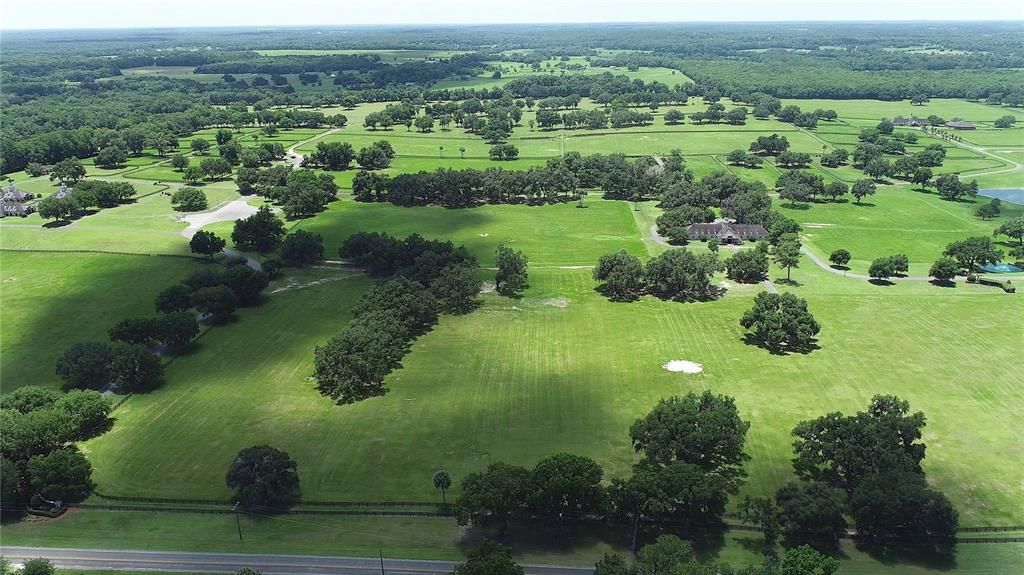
{"x":818,"y":225}
{"x":683,"y":366}
{"x":557,"y":302}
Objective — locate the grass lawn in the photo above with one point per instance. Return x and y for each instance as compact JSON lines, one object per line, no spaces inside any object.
{"x":560,"y":369}
{"x":897,"y":219}
{"x":148,"y":225}
{"x":560,"y":235}
{"x":55,"y":300}
{"x":442,"y":539}
{"x":564,"y":370}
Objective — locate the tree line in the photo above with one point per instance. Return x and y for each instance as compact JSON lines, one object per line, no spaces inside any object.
{"x":691,"y":458}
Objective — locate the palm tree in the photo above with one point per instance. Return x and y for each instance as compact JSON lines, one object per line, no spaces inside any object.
{"x":442,"y":150}
{"x":442,"y":481}
{"x":462,"y":152}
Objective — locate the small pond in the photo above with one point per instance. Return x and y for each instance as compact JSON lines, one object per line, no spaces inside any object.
{"x":1012,"y":195}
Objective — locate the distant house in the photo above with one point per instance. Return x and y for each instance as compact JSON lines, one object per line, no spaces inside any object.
{"x":63,"y":192}
{"x":726,"y":232}
{"x":960,"y":125}
{"x":912,"y":121}
{"x":12,"y":202}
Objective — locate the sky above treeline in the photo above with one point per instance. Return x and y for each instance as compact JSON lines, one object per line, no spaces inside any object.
{"x":59,"y":14}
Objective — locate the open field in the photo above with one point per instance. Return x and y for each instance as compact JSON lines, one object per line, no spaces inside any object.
{"x":53,"y":300}
{"x":898,"y":219}
{"x":560,"y":369}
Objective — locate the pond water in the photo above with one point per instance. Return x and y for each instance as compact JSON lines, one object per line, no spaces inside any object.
{"x":1012,"y":195}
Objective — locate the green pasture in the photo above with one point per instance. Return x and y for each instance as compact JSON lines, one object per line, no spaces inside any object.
{"x":897,"y":219}
{"x":147,"y":225}
{"x":560,"y":235}
{"x":53,"y":300}
{"x":562,"y":369}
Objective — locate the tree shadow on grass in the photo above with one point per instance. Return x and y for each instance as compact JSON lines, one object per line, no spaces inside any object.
{"x":938,"y":557}
{"x":57,"y":224}
{"x":839,"y":267}
{"x":864,"y":204}
{"x":781,"y":350}
{"x":881,"y":282}
{"x":788,"y":282}
{"x":943,"y":283}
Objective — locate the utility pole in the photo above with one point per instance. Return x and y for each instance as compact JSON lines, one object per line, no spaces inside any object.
{"x":380,"y":553}
{"x":238,"y":523}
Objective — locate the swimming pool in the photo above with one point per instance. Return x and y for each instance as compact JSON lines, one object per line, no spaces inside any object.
{"x":1001,"y":268}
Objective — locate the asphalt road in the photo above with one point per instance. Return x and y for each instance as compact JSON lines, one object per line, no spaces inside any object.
{"x":231,"y":562}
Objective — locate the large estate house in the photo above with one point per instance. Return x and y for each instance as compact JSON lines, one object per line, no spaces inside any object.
{"x":12,"y":202}
{"x":727,"y":231}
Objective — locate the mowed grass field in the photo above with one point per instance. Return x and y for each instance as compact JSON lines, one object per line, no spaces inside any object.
{"x":562,"y":369}
{"x":53,"y":300}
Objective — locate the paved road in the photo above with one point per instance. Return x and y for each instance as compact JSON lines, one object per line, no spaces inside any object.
{"x":231,"y":562}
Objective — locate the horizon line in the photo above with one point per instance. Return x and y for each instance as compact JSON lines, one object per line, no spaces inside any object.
{"x":523,"y":23}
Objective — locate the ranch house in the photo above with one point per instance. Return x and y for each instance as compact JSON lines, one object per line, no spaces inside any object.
{"x":727,"y":232}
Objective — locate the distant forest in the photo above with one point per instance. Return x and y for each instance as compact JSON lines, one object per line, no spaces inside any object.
{"x":60,"y":87}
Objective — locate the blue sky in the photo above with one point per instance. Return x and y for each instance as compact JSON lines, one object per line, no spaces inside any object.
{"x":21,"y":14}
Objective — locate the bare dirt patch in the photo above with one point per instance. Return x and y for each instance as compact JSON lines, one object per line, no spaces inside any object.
{"x":557,"y":302}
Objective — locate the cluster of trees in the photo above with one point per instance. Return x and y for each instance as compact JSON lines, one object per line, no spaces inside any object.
{"x":692,"y":458}
{"x":559,"y":487}
{"x":874,"y":459}
{"x":215,"y":292}
{"x":261,"y":232}
{"x":340,"y":155}
{"x":689,"y":202}
{"x":716,"y":113}
{"x":883,"y":268}
{"x":677,"y":274}
{"x":39,"y":463}
{"x":670,"y":554}
{"x":96,"y":365}
{"x":781,"y":322}
{"x":189,"y":199}
{"x":86,"y":195}
{"x":971,"y":253}
{"x":430,"y":277}
{"x":555,"y":182}
{"x":951,"y":188}
{"x":263,"y":476}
